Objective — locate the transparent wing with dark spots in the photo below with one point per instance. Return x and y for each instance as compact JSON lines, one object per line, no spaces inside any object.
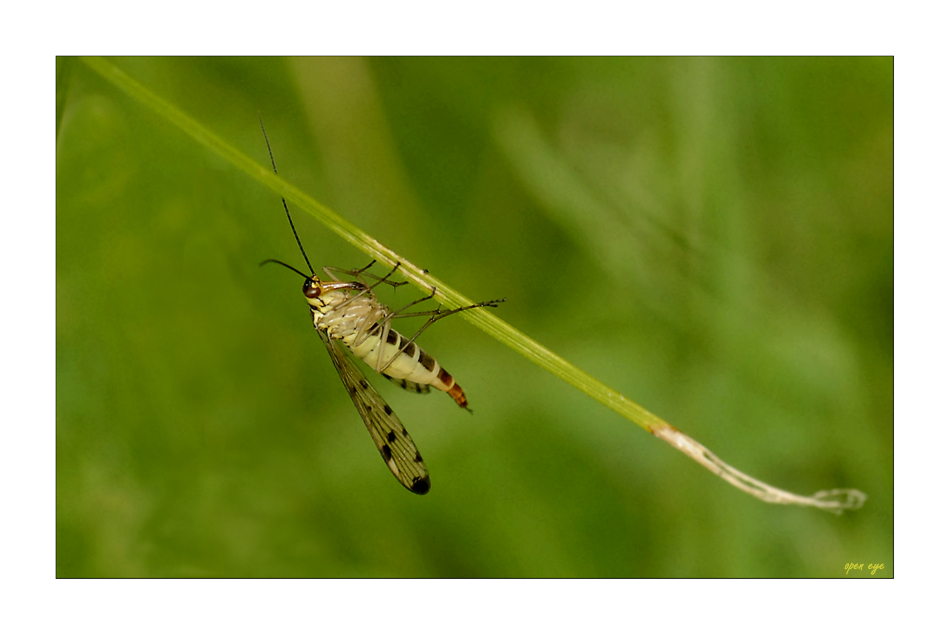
{"x":391,"y":438}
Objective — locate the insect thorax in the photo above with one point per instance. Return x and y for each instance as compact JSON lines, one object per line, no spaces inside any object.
{"x":346,"y":316}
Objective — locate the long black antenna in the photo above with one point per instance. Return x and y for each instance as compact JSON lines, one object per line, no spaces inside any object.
{"x":286,"y":209}
{"x":281,"y":262}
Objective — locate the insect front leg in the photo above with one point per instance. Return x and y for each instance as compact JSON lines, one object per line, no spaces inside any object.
{"x":364,"y":289}
{"x":360,"y":273}
{"x":353,"y":273}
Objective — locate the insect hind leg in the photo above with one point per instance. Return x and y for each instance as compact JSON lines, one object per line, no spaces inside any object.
{"x":434,"y":316}
{"x":437,"y":314}
{"x":400,"y":313}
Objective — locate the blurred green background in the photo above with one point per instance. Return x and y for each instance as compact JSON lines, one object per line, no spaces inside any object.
{"x":711,"y":237}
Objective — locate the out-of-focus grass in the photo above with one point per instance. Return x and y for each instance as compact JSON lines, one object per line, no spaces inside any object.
{"x":712,"y":237}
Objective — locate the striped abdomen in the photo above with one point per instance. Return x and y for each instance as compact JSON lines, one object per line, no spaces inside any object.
{"x":361,"y":322}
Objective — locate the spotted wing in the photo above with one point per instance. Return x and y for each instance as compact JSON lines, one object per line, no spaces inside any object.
{"x":391,"y":438}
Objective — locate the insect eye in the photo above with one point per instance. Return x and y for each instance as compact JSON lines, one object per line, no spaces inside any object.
{"x":311,"y":289}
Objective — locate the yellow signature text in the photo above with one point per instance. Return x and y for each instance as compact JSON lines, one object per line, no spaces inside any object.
{"x":851,"y":566}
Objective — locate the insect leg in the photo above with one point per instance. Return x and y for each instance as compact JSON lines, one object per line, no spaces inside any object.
{"x":413,"y":303}
{"x":438,"y":314}
{"x":350,"y":272}
{"x":367,"y":289}
{"x":385,"y":333}
{"x":360,"y":273}
{"x":434,"y":316}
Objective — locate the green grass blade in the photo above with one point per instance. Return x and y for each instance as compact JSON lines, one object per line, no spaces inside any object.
{"x":481,"y":318}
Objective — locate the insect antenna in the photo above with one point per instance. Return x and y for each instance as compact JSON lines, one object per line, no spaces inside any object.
{"x":286,"y":209}
{"x":294,"y":269}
